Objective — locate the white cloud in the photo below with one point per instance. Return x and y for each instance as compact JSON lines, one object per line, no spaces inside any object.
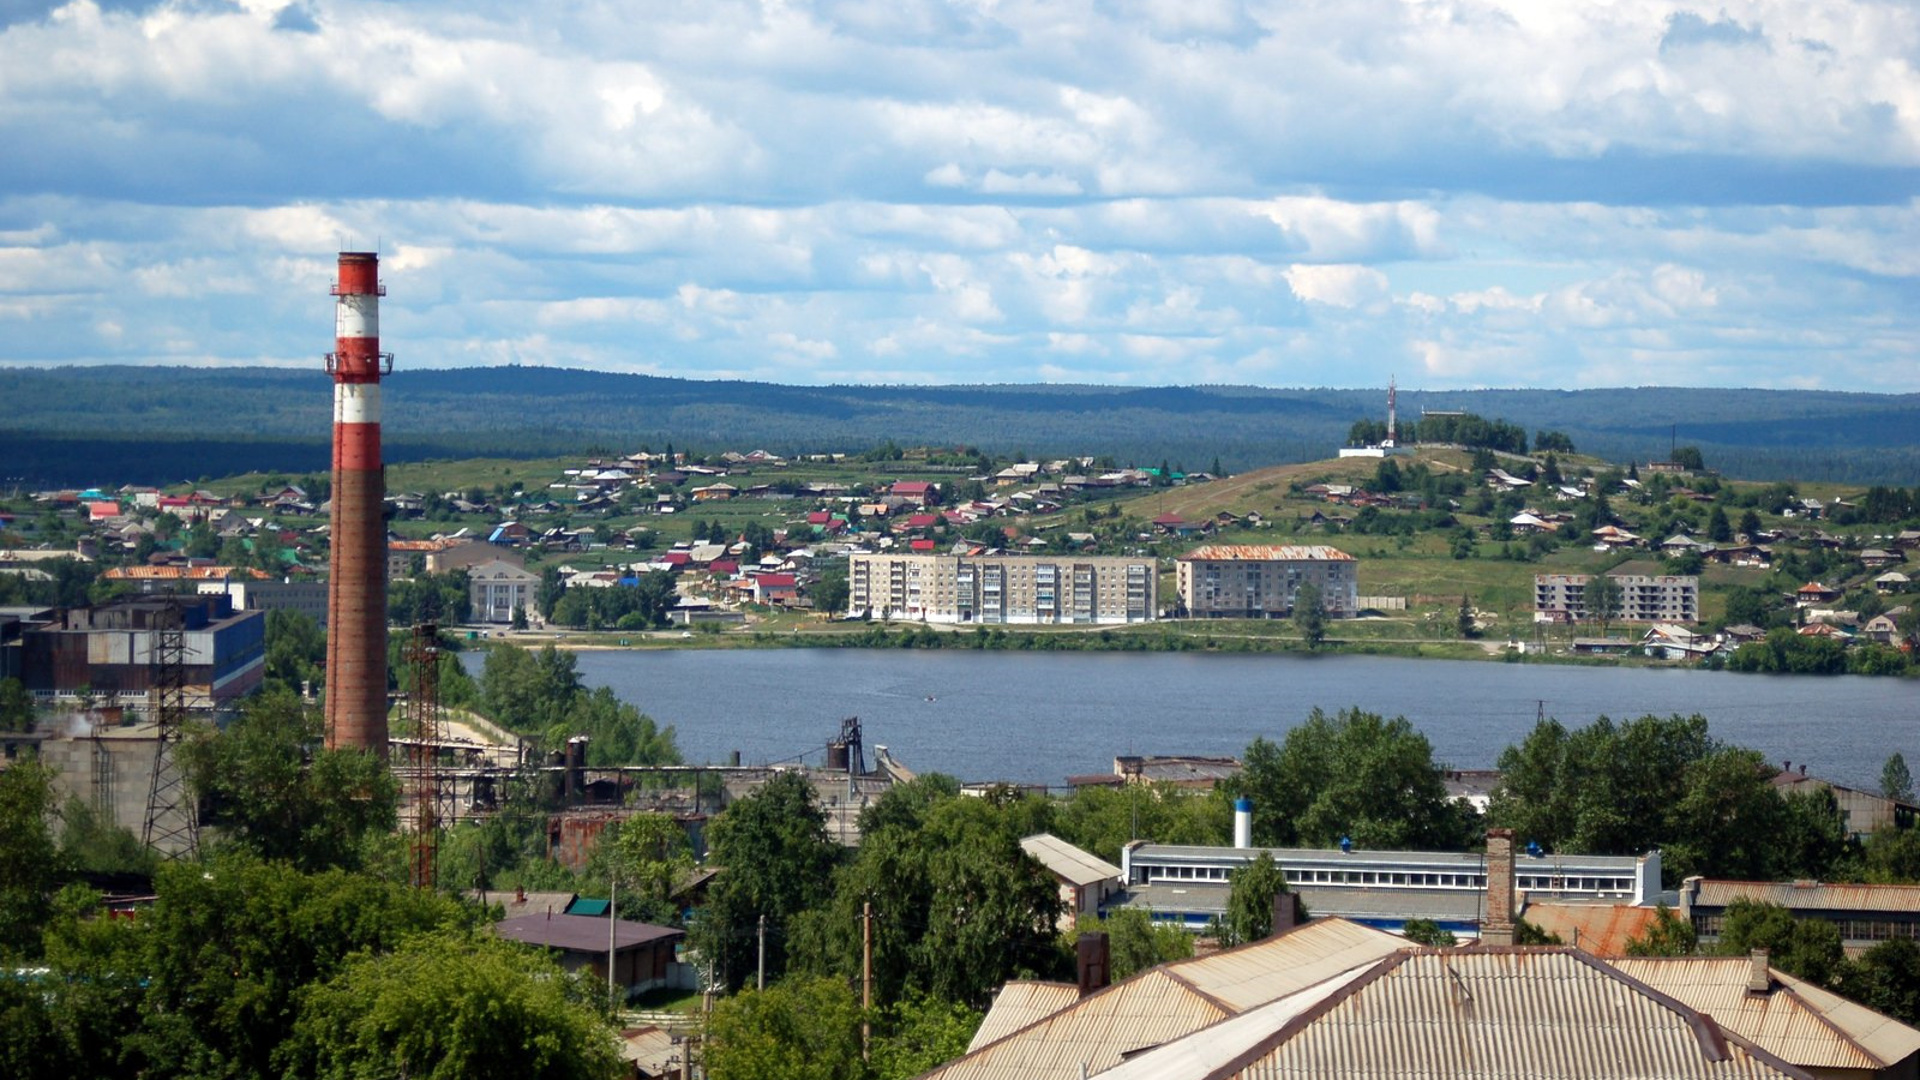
{"x":1344,"y":286}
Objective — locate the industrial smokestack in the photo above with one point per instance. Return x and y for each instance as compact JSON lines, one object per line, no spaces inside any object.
{"x":357,"y":584}
{"x":1243,"y":822}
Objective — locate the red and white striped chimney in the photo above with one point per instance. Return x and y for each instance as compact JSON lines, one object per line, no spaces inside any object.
{"x":357,"y":585}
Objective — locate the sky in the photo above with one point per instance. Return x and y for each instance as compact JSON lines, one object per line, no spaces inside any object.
{"x":1451,"y":194}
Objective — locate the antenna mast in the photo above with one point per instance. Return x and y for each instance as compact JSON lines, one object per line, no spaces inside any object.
{"x":172,"y":827}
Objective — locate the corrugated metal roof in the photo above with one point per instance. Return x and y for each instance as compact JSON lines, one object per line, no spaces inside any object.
{"x":1601,"y":929}
{"x":1881,"y":1036}
{"x":1265,"y":970}
{"x":1266,"y":553}
{"x":1780,"y":1021}
{"x":1812,"y":894}
{"x":1500,"y":1013}
{"x":1020,"y":1003}
{"x":1207,"y":1051}
{"x":1068,"y":862}
{"x":1094,"y":1034}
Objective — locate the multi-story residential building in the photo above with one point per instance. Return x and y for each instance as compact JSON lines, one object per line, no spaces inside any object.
{"x":1021,"y":589}
{"x":1667,"y":598}
{"x":1255,"y":581}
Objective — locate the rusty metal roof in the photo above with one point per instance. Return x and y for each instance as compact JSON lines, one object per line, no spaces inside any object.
{"x":1497,"y":1013}
{"x":1277,"y":966}
{"x":1881,"y":1036}
{"x":1802,"y":895}
{"x":1782,"y":1020}
{"x":1601,"y":929}
{"x":1266,"y":553}
{"x":1020,"y":1003}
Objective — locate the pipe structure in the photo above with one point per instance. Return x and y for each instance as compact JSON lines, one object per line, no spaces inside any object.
{"x":357,"y":584}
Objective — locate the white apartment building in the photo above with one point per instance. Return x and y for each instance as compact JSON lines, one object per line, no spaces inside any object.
{"x":1004,"y":589}
{"x":1258,"y":581}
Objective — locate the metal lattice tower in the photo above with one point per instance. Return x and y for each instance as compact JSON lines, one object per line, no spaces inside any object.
{"x":172,"y":826}
{"x":432,"y":794}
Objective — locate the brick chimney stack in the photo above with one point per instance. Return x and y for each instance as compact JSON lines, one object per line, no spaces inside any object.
{"x":1092,"y":961}
{"x":1498,"y":926}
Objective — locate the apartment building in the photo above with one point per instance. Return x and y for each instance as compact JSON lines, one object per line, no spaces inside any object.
{"x":1256,"y":581}
{"x":1667,"y":598}
{"x":1004,"y":589}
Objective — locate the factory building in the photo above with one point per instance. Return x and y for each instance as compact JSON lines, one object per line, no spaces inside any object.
{"x":1004,"y":589}
{"x":106,"y":653}
{"x":1260,"y":581}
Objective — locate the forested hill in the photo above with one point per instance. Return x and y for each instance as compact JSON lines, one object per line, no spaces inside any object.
{"x":163,"y":424}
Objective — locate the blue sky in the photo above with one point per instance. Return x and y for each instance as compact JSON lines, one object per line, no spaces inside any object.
{"x":1536,"y":193}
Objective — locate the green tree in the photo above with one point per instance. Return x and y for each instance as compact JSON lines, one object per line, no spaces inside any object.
{"x":914,"y":1036}
{"x":775,"y":862}
{"x":1252,"y":889}
{"x":92,"y":844}
{"x":958,"y":907}
{"x":16,"y":706}
{"x":296,"y":650}
{"x":650,"y":856}
{"x":1355,"y":775}
{"x":451,"y":1006}
{"x":1603,"y":598}
{"x":1135,"y":942}
{"x":830,"y":592}
{"x":1886,"y":979}
{"x":1896,"y":782}
{"x":806,"y":1028}
{"x":275,"y":791}
{"x":1310,"y":615}
{"x":1689,"y":458}
{"x":230,"y":944}
{"x":30,"y":863}
{"x":1809,"y":948}
{"x":1429,"y":933}
{"x":1667,"y":935}
{"x":1102,"y":819}
{"x":1464,"y":621}
{"x":1719,"y":529}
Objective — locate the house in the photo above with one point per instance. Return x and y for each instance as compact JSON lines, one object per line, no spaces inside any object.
{"x":1085,"y":880}
{"x":1893,"y":581}
{"x":643,"y":954}
{"x":779,"y":589}
{"x":917,"y":492}
{"x":1665,"y":641}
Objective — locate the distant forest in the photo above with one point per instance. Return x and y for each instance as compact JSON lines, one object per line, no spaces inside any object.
{"x":164,"y":425}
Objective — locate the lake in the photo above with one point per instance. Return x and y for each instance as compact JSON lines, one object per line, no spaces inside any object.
{"x":1040,"y":717}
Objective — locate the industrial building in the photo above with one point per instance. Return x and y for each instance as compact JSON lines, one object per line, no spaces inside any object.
{"x":1258,"y":581}
{"x":1004,"y":589}
{"x":105,"y":653}
{"x":1665,"y":598}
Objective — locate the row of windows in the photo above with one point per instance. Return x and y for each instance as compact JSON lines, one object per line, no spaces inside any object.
{"x":1411,"y":879}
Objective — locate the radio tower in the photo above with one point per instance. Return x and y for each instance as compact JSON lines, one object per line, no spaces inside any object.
{"x":357,"y":585}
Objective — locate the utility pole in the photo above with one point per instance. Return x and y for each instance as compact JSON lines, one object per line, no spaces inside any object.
{"x":613,"y":898}
{"x":760,"y":981}
{"x":866,"y":976}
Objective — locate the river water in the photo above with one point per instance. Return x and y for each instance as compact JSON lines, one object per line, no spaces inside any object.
{"x":1040,"y":717}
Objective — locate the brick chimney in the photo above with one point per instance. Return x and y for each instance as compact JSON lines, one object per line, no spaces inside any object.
{"x":1497,"y":929}
{"x":1092,"y":961}
{"x":1759,"y":977}
{"x":1286,"y":913}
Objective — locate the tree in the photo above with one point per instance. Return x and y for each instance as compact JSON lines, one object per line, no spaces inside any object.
{"x":519,"y":618}
{"x":1895,"y":781}
{"x":917,"y":1034}
{"x":451,"y":1006}
{"x":1602,"y":598}
{"x":230,"y":944}
{"x":1809,"y":948}
{"x":1886,"y":979}
{"x":1355,"y":775}
{"x":296,"y":650}
{"x":958,"y":907}
{"x":1719,"y":529}
{"x":1552,"y":440}
{"x":30,"y":864}
{"x":829,"y":594}
{"x":806,"y":1028}
{"x":773,"y":849}
{"x":1749,"y":524}
{"x":649,"y":855}
{"x":1135,"y":942}
{"x":16,"y":706}
{"x":1252,"y":889}
{"x":1689,"y":458}
{"x":1429,"y":933}
{"x":1102,"y":819}
{"x":278,"y":793}
{"x":1310,"y":615}
{"x":1464,"y":621}
{"x":1667,"y":935}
